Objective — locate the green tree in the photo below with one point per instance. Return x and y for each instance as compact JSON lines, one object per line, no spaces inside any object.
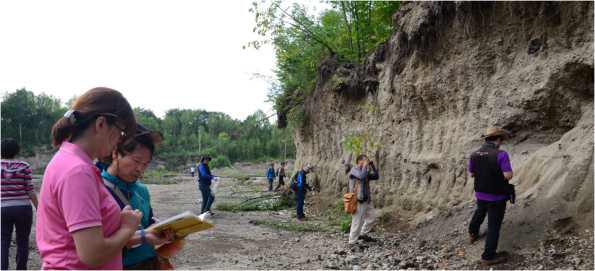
{"x":147,"y":118}
{"x":29,"y":118}
{"x":189,"y":134}
{"x":348,"y":31}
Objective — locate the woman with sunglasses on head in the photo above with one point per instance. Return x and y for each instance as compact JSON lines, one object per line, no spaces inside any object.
{"x":79,"y":224}
{"x":122,"y":178}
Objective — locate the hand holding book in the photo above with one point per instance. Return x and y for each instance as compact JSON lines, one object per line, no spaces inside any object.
{"x":179,"y":226}
{"x":182,"y":224}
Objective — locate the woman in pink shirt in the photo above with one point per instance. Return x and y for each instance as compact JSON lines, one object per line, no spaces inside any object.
{"x":79,"y":224}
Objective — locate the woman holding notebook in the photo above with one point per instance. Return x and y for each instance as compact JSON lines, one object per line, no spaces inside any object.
{"x":121,"y":177}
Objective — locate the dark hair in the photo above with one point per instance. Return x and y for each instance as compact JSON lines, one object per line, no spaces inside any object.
{"x":348,"y":167}
{"x":205,"y":158}
{"x":494,"y":138}
{"x":96,"y":102}
{"x":143,"y":137}
{"x":10,"y":148}
{"x":361,"y":157}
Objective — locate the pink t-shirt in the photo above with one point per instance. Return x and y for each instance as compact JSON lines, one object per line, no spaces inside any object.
{"x":72,"y":198}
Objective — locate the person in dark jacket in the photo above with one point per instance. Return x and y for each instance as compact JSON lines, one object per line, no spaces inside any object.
{"x":300,"y":186}
{"x":359,"y":182}
{"x":271,"y":176}
{"x":281,"y":176}
{"x":204,"y":184}
{"x":491,"y":169}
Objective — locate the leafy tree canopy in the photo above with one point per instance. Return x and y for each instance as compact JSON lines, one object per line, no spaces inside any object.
{"x":347,"y":30}
{"x":189,"y":134}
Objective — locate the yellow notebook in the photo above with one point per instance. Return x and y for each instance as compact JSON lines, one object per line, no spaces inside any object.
{"x":183,"y":224}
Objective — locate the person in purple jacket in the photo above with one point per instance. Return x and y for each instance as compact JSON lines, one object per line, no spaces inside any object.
{"x":491,"y":169}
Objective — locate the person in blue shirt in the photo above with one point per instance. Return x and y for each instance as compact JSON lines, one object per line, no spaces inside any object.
{"x":121,"y":176}
{"x":271,"y":176}
{"x":300,"y":186}
{"x":205,"y":179}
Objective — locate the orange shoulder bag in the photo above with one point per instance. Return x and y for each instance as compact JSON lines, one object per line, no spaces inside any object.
{"x":350,"y":199}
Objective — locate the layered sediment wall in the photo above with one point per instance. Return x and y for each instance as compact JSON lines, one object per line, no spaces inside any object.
{"x":421,"y":101}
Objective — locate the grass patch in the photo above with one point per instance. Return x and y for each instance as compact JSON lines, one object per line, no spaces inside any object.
{"x":227,"y":207}
{"x":292,"y":226}
{"x":265,"y":204}
{"x":160,"y":176}
{"x":233,"y":173}
{"x":234,"y":207}
{"x":160,"y":181}
{"x":338,"y":218}
{"x":345,"y":223}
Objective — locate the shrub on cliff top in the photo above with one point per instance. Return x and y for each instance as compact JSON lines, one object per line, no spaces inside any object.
{"x":346,"y":30}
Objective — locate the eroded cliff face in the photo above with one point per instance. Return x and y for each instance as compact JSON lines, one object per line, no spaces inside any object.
{"x":422,"y":100}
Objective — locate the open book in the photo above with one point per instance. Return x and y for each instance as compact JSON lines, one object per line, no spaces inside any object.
{"x":183,"y":224}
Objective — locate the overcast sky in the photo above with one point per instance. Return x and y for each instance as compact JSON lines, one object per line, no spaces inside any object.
{"x":159,"y":54}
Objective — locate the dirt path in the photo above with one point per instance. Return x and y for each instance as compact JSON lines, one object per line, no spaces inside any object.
{"x":235,"y":242}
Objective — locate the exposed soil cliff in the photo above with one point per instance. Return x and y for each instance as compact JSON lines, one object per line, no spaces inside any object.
{"x":422,"y":100}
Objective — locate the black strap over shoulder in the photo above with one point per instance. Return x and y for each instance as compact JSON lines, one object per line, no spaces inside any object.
{"x":121,"y":198}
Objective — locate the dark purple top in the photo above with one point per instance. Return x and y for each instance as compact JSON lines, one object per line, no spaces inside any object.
{"x":504,"y":162}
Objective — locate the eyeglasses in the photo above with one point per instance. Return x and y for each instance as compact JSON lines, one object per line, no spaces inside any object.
{"x":122,"y":130}
{"x":142,"y":133}
{"x":139,"y":162}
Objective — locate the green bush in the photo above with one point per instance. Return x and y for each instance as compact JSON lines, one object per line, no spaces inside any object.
{"x":353,"y":144}
{"x":338,"y":218}
{"x":360,"y":143}
{"x":345,"y":223}
{"x":220,"y":161}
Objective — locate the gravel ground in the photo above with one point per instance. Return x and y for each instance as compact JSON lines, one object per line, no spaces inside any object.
{"x":237,"y":242}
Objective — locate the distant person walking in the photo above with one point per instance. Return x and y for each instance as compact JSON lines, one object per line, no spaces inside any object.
{"x":360,"y":176}
{"x":280,"y":176}
{"x":491,"y":169}
{"x":79,"y":225}
{"x":271,"y":176}
{"x":299,"y":186}
{"x":17,"y":196}
{"x":192,"y":171}
{"x":205,"y":179}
